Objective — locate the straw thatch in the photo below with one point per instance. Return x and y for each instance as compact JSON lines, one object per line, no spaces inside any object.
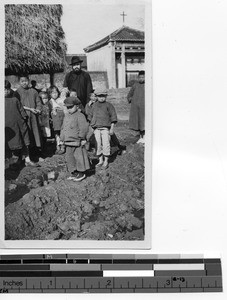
{"x":34,"y":39}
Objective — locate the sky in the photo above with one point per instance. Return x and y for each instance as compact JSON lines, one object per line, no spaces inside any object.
{"x":86,"y":24}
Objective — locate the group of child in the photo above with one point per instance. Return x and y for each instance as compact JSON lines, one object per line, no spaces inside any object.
{"x":38,"y":115}
{"x":32,"y":118}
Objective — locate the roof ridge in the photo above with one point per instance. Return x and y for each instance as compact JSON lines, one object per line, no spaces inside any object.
{"x":117,"y":31}
{"x":123,"y":27}
{"x":111,"y":36}
{"x":141,"y":31}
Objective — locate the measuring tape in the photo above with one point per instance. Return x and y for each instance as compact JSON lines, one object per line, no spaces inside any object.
{"x":104,"y":273}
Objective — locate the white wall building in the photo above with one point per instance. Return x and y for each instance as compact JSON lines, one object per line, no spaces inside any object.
{"x":121,"y":54}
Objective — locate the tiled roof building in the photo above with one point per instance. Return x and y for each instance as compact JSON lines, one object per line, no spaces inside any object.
{"x":123,"y":34}
{"x":121,"y":54}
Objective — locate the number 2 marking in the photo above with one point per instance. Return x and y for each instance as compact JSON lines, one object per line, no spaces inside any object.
{"x":108,"y":282}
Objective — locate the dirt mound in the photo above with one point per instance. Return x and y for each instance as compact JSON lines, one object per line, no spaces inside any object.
{"x":107,"y":205}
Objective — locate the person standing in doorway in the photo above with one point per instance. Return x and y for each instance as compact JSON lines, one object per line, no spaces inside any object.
{"x":78,"y":80}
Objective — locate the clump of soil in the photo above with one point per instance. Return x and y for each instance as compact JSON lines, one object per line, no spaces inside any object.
{"x":41,"y":204}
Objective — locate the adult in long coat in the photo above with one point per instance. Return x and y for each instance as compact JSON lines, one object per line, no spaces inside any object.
{"x":79,"y":80}
{"x":16,"y":129}
{"x":136,"y":97}
{"x":32,"y":104}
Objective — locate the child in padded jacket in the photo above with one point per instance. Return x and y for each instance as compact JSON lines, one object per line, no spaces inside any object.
{"x":73,"y":134}
{"x":102,"y":117}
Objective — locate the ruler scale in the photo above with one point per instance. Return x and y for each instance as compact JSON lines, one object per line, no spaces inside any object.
{"x":105,"y":273}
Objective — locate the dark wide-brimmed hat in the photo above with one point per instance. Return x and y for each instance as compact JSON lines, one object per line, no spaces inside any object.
{"x":75,"y":60}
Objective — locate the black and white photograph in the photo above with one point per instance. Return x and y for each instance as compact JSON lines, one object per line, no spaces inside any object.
{"x":75,"y":125}
{"x":160,"y":191}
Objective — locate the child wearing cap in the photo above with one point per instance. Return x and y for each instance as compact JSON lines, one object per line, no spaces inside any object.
{"x":136,"y":97}
{"x":73,"y":134}
{"x":90,"y":137}
{"x":102,"y":117}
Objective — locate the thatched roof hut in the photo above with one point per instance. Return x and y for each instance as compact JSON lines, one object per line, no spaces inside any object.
{"x":34,"y":39}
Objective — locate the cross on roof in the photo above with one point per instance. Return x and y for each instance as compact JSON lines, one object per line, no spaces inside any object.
{"x":123,"y":15}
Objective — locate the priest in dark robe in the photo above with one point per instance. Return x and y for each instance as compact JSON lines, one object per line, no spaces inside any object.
{"x":78,"y":80}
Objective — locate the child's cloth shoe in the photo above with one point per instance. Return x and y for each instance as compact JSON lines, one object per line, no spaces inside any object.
{"x":99,"y":164}
{"x":105,"y":166}
{"x":80,"y":176}
{"x":73,"y":175}
{"x":122,"y":147}
{"x":31,"y":164}
{"x":140,"y":141}
{"x":60,"y":152}
{"x":62,"y":149}
{"x":119,"y":152}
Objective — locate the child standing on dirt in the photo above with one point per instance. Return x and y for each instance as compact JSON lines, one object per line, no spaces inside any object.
{"x":31,"y":102}
{"x":136,"y":97}
{"x":73,"y":134}
{"x":16,"y":129}
{"x":113,"y":138}
{"x":102,"y":118}
{"x":45,"y":118}
{"x":57,"y":114}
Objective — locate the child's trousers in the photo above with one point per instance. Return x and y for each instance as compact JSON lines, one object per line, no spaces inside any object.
{"x":77,"y":159}
{"x":102,"y":136}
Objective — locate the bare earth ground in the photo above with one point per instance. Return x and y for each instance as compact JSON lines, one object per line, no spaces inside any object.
{"x":41,"y":204}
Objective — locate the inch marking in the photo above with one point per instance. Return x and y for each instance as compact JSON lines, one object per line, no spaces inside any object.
{"x":114,"y":284}
{"x":4,"y":290}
